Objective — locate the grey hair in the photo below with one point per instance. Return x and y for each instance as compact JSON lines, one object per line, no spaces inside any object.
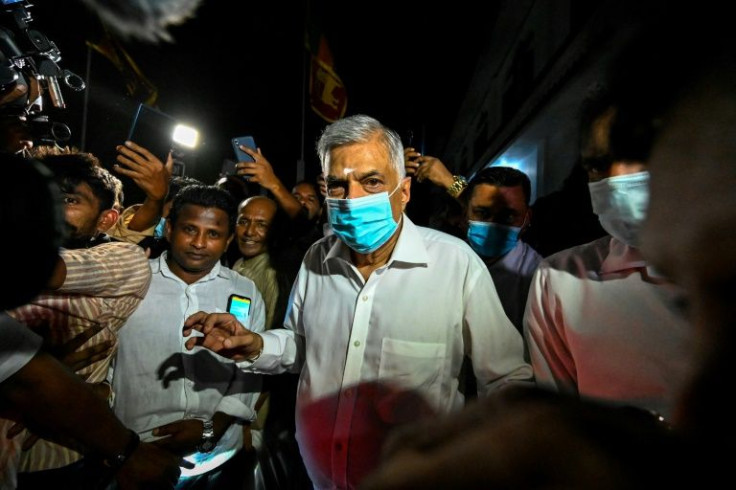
{"x":360,"y":129}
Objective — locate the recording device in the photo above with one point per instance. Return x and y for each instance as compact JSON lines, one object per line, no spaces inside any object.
{"x":228,"y":166}
{"x":152,"y":129}
{"x":30,"y":75}
{"x":246,"y":141}
{"x":239,"y":307}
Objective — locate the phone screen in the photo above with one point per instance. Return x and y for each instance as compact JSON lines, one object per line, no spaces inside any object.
{"x":239,"y":307}
{"x":246,"y":141}
{"x":153,"y":130}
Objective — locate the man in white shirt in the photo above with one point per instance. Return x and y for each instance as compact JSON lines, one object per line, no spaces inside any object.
{"x":600,"y":323}
{"x":192,"y":404}
{"x":381,"y":316}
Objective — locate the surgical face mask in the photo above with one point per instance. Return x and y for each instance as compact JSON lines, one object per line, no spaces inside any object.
{"x":621,"y":205}
{"x":492,"y":240}
{"x":158,"y":232}
{"x":364,"y":223}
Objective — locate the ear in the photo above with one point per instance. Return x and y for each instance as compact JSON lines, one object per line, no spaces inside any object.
{"x":405,"y":192}
{"x":167,"y":230}
{"x":107,"y":219}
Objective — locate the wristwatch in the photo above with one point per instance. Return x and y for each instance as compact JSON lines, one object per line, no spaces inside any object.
{"x":458,"y":186}
{"x":208,"y":442}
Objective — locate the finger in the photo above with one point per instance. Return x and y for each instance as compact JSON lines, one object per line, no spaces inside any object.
{"x":195,"y":320}
{"x":225,"y":321}
{"x":127,"y":172}
{"x":129,"y":157}
{"x":29,"y":442}
{"x":240,"y":341}
{"x":15,"y":429}
{"x":80,"y":339}
{"x":169,"y":163}
{"x":142,"y":151}
{"x":186,"y":464}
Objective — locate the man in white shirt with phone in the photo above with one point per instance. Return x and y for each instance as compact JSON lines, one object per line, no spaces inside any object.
{"x":190,"y":403}
{"x":381,"y":316}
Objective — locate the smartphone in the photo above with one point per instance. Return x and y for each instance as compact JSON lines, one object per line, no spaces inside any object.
{"x":153,"y":130}
{"x":239,"y":307}
{"x":240,"y":155}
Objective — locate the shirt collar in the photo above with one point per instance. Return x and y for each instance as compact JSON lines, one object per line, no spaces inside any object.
{"x":159,"y":265}
{"x":409,"y":248}
{"x":621,"y":257}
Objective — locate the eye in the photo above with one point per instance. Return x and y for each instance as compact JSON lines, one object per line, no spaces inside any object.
{"x":335,"y":190}
{"x":213,"y":234}
{"x":373,"y":183}
{"x":70,"y":200}
{"x":189,"y":229}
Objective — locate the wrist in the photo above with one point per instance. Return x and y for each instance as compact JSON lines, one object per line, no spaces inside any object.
{"x":458,"y":186}
{"x":254,"y":357}
{"x":117,"y":460}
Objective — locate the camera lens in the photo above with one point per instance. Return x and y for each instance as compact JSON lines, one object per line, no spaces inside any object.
{"x":74,"y":81}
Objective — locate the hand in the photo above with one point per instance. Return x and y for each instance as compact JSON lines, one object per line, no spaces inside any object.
{"x":260,"y":171}
{"x":322,"y":183}
{"x":150,"y":467}
{"x":434,"y":170}
{"x":147,"y":171}
{"x":181,"y":437}
{"x":223,"y":334}
{"x":18,"y":428}
{"x":70,"y":355}
{"x":411,"y":162}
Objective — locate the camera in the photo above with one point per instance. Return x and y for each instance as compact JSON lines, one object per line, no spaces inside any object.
{"x":30,"y":75}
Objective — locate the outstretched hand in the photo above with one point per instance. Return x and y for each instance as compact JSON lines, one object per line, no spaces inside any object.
{"x":223,"y":334}
{"x":260,"y":171}
{"x":145,"y":169}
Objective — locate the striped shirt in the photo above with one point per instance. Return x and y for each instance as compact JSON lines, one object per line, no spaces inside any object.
{"x":103,"y":286}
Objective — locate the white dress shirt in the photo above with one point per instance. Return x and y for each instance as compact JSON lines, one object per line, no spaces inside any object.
{"x":388,"y":350}
{"x":601,"y":324}
{"x":157,"y":380}
{"x":512,"y":275}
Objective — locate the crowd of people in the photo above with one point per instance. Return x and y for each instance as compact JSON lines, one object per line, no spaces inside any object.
{"x":314,"y":336}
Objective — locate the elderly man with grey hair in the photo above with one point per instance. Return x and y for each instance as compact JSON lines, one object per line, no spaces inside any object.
{"x":381,"y":316}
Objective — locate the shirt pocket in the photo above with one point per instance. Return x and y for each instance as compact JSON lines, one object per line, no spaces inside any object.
{"x":417,"y":366}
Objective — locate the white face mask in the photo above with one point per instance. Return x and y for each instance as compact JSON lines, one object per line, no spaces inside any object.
{"x":621,"y":205}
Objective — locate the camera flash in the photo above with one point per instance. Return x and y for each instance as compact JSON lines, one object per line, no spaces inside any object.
{"x":185,"y":136}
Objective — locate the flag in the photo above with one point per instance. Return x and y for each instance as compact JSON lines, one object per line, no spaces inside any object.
{"x":327,"y":95}
{"x":136,"y":84}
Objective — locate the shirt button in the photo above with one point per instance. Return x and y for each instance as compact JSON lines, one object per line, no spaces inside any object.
{"x":365,"y":297}
{"x":356,"y":343}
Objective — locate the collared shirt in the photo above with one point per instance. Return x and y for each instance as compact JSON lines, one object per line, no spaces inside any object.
{"x":120,"y":230}
{"x":385,"y":351}
{"x":18,"y":345}
{"x":158,"y":381}
{"x":512,"y":276}
{"x":103,"y":285}
{"x":258,"y":269}
{"x":600,"y":323}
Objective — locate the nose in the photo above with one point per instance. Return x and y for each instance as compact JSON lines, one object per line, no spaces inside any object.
{"x":250,"y":229}
{"x":199,"y":240}
{"x":354,"y":189}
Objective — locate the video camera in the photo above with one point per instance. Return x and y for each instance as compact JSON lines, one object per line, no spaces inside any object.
{"x":29,"y":73}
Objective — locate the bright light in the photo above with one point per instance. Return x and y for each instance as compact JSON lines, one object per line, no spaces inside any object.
{"x":185,"y":136}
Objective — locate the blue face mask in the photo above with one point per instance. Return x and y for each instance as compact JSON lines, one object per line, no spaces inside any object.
{"x":363,"y":223}
{"x":492,"y":240}
{"x":158,"y":232}
{"x":621,"y":205}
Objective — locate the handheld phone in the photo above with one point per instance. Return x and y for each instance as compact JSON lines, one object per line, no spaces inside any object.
{"x":153,"y":130}
{"x":239,"y":307}
{"x":247,"y":141}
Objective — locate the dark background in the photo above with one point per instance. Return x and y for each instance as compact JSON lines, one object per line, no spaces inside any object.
{"x":237,"y":68}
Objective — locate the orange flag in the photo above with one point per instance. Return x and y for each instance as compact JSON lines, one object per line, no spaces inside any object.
{"x":327,"y":95}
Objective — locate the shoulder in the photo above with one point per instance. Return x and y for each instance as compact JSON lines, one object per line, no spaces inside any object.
{"x":581,"y":258}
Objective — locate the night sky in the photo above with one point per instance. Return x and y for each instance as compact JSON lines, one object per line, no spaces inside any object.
{"x":236,"y":69}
